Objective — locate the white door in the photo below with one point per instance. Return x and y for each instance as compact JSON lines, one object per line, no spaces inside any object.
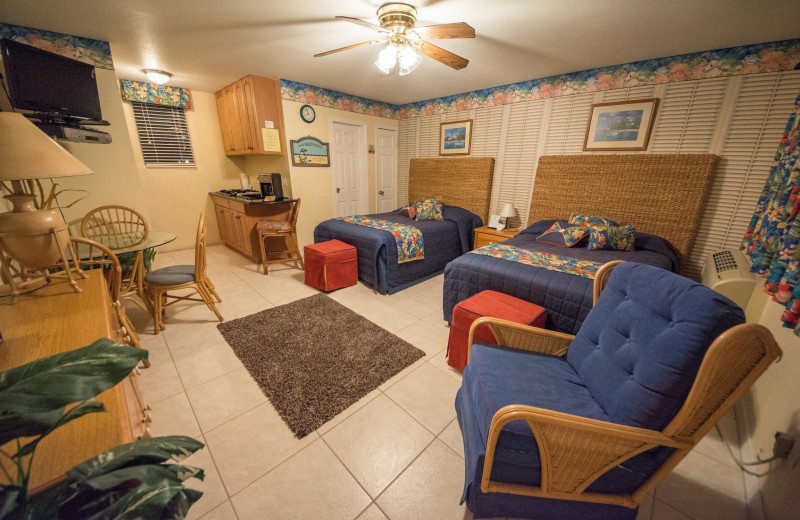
{"x":349,"y":168}
{"x":386,"y":154}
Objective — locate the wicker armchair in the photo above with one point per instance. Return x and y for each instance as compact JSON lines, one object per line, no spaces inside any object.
{"x":586,"y":426}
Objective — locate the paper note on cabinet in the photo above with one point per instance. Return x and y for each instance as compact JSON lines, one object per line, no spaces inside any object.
{"x":272,"y":139}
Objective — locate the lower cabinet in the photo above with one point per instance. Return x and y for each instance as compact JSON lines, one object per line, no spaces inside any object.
{"x":237,"y":222}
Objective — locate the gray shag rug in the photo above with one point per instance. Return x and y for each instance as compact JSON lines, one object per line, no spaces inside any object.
{"x":315,"y":357}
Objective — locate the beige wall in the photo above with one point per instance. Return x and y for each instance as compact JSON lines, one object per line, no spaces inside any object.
{"x":773,"y":404}
{"x":115,"y":179}
{"x":306,"y":181}
{"x":175,"y":196}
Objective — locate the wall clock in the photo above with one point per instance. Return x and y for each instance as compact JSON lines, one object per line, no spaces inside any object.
{"x":307,"y":113}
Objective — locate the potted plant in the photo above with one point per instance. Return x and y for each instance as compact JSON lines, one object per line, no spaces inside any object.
{"x":135,"y":480}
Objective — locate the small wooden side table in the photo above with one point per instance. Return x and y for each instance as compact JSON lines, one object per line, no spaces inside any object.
{"x":485,"y":235}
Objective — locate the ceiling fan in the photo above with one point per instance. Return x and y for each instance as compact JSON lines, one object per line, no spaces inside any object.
{"x":404,"y":42}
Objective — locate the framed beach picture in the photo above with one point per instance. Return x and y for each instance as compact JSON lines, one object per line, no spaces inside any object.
{"x":624,"y":125}
{"x":455,"y":138}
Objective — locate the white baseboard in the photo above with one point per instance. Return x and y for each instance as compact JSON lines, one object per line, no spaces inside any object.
{"x":752,"y":489}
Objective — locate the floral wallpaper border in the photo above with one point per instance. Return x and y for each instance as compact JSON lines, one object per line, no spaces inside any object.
{"x":144,"y":92}
{"x":749,"y":59}
{"x":302,"y":93}
{"x":87,"y":50}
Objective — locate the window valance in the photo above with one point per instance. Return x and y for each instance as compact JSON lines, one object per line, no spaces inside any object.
{"x":144,"y":92}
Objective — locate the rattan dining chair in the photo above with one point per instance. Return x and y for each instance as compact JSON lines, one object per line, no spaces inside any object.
{"x":115,"y":226}
{"x":284,"y":230}
{"x":89,"y":255}
{"x":174,"y":277}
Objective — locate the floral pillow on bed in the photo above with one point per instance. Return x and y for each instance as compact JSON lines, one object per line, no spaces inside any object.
{"x":428,"y":209}
{"x":563,"y":236}
{"x":591,"y":222}
{"x":612,"y":238}
{"x":409,"y":211}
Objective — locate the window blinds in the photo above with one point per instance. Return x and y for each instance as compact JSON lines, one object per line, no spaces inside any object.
{"x":163,"y":135}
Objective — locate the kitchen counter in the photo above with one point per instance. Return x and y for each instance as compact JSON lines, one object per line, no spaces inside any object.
{"x":242,"y":200}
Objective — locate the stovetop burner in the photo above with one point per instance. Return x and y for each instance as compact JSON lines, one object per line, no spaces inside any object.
{"x":238,"y":192}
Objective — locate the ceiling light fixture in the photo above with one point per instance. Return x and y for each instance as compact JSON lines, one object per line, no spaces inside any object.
{"x":158,"y":77}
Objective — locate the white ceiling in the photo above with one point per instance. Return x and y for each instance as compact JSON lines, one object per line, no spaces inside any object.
{"x":208,"y":44}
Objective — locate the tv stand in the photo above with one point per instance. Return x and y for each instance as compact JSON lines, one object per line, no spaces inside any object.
{"x":75,"y":134}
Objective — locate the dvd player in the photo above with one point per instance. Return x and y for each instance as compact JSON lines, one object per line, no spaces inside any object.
{"x":75,"y":134}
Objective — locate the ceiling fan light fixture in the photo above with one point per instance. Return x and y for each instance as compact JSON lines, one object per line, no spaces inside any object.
{"x":387,"y":59}
{"x":409,"y":59}
{"x":159,"y":77}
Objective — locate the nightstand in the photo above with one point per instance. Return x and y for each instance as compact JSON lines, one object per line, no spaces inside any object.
{"x":485,"y":235}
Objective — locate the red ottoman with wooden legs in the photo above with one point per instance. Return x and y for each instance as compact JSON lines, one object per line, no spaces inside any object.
{"x":331,"y":265}
{"x":487,"y":303}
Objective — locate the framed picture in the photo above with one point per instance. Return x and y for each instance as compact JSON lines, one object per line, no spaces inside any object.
{"x":309,"y":151}
{"x":455,"y":138}
{"x":624,"y":125}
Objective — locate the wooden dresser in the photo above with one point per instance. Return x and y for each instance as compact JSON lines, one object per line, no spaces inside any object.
{"x":55,"y":319}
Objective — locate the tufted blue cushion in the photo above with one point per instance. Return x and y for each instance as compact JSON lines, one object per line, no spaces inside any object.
{"x":171,"y":275}
{"x":641,"y":346}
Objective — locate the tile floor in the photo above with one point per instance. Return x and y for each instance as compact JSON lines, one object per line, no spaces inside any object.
{"x":395,"y":454}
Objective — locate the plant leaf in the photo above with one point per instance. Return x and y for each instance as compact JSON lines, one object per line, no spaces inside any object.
{"x":147,"y":474}
{"x":84,"y":408}
{"x":11,"y":497}
{"x":144,"y":451}
{"x":56,"y":381}
{"x":146,"y":501}
{"x":13,"y":426}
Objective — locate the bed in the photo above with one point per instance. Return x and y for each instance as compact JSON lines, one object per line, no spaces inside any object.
{"x":661,"y":195}
{"x":462,"y":185}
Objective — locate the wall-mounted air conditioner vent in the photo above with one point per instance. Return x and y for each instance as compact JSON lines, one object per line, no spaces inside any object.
{"x":728,"y":273}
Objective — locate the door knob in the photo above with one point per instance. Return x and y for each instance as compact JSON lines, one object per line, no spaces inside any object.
{"x":380,"y":193}
{"x":338,"y":190}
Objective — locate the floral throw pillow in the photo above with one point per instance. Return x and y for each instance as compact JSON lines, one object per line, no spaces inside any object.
{"x":591,"y":222}
{"x":409,"y":211}
{"x":563,"y":236}
{"x":428,"y":209}
{"x":612,"y":238}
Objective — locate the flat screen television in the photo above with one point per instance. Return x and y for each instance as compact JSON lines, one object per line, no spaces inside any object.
{"x":54,"y":85}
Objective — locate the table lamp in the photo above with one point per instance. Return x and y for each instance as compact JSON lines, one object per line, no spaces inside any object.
{"x":508,"y":211}
{"x":35,"y":238}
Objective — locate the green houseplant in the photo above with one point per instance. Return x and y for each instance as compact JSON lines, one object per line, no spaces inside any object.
{"x":135,"y":480}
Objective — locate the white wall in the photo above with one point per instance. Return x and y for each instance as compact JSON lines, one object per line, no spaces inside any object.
{"x":307,"y":181}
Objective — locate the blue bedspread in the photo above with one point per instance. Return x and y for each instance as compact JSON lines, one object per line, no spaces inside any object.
{"x":567,"y":298}
{"x":377,"y":251}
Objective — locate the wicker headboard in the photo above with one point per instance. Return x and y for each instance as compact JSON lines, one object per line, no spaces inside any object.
{"x":661,"y":194}
{"x":457,"y":182}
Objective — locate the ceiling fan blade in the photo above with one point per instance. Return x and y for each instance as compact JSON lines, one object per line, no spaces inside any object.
{"x":347,"y":48}
{"x":448,"y":58}
{"x":362,"y":23}
{"x":445,"y":31}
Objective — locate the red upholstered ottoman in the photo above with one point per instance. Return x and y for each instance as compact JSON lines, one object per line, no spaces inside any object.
{"x":487,"y":303}
{"x":331,"y":265}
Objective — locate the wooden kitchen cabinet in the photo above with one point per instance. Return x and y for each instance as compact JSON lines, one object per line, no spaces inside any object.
{"x":244,"y":109}
{"x":237,"y":221}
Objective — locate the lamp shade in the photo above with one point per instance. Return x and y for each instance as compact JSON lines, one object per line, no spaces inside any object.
{"x":508,"y":211}
{"x":27,"y":153}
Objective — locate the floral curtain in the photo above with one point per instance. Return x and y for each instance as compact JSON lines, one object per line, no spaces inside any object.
{"x":155,"y":94}
{"x":773,"y":235}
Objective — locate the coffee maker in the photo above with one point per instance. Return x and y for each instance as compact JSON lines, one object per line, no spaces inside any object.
{"x":271,"y":187}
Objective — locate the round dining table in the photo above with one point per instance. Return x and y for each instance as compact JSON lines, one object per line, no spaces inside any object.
{"x":133,"y":243}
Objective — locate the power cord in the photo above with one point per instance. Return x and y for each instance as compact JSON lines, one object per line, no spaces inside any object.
{"x":783,"y":445}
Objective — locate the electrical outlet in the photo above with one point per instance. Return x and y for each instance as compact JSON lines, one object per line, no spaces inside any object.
{"x":783,"y":445}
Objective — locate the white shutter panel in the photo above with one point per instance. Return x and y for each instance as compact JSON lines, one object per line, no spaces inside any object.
{"x":625,"y":94}
{"x":567,"y":125}
{"x":760,"y":112}
{"x":429,"y":136}
{"x":519,"y":159}
{"x":163,"y":135}
{"x":687,"y":116}
{"x":487,"y":126}
{"x":406,"y":144}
